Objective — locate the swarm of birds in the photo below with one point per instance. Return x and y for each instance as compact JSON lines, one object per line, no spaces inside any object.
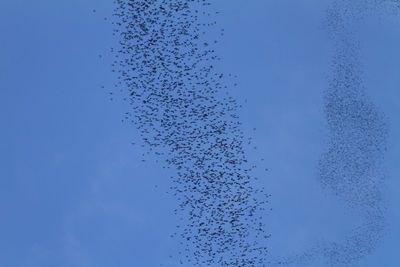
{"x":180,"y":105}
{"x":352,"y":166}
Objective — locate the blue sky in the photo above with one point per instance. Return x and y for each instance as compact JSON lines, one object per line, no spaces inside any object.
{"x":74,"y":192}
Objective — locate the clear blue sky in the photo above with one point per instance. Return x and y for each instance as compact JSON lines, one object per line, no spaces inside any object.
{"x":74,"y":192}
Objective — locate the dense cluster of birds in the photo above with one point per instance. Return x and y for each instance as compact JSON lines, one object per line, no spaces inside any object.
{"x":180,"y":104}
{"x":352,"y":167}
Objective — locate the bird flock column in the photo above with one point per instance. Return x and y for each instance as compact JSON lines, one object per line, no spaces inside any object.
{"x":352,"y":166}
{"x":179,"y":104}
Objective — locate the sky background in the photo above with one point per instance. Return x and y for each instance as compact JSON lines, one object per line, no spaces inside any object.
{"x":75,"y":192}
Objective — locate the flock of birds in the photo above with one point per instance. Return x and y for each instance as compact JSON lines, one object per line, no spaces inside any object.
{"x":351,"y":168}
{"x":181,"y":106}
